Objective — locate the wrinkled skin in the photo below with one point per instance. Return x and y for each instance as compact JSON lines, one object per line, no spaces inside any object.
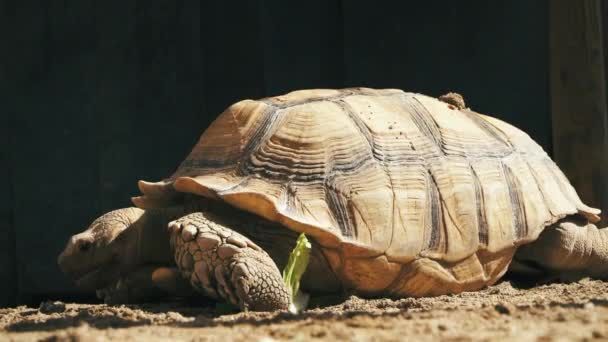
{"x":106,"y":249}
{"x":123,"y":248}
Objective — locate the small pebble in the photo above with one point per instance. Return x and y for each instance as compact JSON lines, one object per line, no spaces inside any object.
{"x":504,"y":308}
{"x":177,"y":317}
{"x":49,"y":307}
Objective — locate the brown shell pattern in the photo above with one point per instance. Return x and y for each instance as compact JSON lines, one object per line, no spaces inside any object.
{"x":377,"y":172}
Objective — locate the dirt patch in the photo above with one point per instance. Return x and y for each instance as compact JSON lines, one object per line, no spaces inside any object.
{"x":575,"y":311}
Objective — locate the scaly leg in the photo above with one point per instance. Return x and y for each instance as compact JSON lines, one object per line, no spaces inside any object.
{"x":570,"y":249}
{"x":222,"y":263}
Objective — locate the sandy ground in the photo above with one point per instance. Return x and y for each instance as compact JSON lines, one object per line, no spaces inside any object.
{"x":575,"y":311}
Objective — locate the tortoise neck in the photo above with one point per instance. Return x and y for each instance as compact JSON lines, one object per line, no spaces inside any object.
{"x":152,"y":237}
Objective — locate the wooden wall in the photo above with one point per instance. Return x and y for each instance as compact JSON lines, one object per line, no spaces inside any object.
{"x":98,"y":94}
{"x":578,"y":95}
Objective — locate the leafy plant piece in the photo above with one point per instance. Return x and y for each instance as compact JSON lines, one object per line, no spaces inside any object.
{"x":295,"y":268}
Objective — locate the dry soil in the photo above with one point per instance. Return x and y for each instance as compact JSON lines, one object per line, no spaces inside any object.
{"x":575,"y":311}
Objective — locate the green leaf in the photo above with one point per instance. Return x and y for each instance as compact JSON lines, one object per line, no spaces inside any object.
{"x":295,"y":268}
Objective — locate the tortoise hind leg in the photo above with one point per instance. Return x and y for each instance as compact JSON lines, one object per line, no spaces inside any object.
{"x":570,"y":249}
{"x":224,"y":264}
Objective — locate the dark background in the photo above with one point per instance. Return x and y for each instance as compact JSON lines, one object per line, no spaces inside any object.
{"x":96,"y":95}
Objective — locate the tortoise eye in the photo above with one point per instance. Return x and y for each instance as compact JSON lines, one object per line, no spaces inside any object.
{"x":84,"y":246}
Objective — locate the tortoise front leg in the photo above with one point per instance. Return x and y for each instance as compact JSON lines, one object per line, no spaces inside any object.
{"x":222,"y":263}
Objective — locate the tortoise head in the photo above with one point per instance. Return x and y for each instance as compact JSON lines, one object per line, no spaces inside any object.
{"x":104,"y":251}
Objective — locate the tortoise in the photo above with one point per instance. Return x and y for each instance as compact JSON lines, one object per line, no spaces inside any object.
{"x":402,"y":194}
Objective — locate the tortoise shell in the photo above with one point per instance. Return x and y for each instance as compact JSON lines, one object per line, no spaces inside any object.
{"x":372,"y":173}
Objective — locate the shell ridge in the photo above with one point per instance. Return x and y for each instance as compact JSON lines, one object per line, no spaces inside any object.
{"x":562,"y":180}
{"x":488,"y":128}
{"x":337,"y":210}
{"x":453,"y":213}
{"x":369,"y":137}
{"x":519,"y":222}
{"x":541,"y":191}
{"x":344,"y":93}
{"x":426,"y":124}
{"x":270,"y":124}
{"x":453,"y":220}
{"x":242,"y":182}
{"x":482,"y":223}
{"x":355,"y":208}
{"x":437,"y":240}
{"x":337,"y":201}
{"x":361,"y":126}
{"x":561,"y":185}
{"x":437,"y":228}
{"x":305,"y":101}
{"x":212,"y":164}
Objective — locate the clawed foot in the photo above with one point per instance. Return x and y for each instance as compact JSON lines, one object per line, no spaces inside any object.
{"x":222,"y":263}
